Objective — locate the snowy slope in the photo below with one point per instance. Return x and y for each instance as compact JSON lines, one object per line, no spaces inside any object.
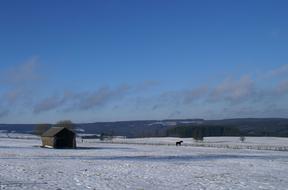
{"x":131,"y":166}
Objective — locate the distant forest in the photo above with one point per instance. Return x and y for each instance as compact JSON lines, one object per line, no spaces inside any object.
{"x":198,"y":132}
{"x":277,"y":127}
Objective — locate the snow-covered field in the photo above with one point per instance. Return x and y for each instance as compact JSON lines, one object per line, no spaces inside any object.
{"x":101,"y":166}
{"x":258,"y":143}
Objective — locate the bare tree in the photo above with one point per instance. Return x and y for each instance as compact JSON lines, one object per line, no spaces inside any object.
{"x":242,"y":138}
{"x":66,"y":124}
{"x":41,"y":128}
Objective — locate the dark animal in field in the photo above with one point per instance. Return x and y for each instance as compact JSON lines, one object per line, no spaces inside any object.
{"x":178,"y":143}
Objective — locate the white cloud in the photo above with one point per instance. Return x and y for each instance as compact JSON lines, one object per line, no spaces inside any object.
{"x":19,"y":81}
{"x":282,"y":88}
{"x":3,"y":113}
{"x":89,"y":100}
{"x":75,"y":101}
{"x":22,"y":73}
{"x":280,"y":71}
{"x":233,"y":90}
{"x":19,"y":92}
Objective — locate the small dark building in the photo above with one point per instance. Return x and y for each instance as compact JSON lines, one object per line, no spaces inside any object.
{"x":59,"y":137}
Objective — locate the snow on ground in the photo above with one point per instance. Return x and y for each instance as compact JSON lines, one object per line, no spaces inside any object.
{"x":258,"y":143}
{"x":4,"y":134}
{"x":276,"y":141}
{"x":135,"y":166}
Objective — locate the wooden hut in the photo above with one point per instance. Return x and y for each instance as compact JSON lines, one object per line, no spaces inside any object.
{"x":59,"y":137}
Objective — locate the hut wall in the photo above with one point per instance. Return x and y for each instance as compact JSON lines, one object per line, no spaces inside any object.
{"x":48,"y":141}
{"x":65,"y":139}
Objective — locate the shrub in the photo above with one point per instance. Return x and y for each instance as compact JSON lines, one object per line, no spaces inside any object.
{"x":242,"y":138}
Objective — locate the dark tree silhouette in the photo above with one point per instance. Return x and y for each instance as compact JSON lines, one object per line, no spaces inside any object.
{"x":66,"y":124}
{"x":41,"y":128}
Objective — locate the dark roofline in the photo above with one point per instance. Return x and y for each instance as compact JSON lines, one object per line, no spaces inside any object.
{"x":53,"y":131}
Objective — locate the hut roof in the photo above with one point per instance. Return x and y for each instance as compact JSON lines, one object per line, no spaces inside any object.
{"x":53,"y":131}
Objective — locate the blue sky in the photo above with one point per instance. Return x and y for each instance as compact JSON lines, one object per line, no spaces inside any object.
{"x":128,"y":60}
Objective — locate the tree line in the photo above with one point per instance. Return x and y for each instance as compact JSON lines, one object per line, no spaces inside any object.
{"x":199,"y":132}
{"x":41,"y":128}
